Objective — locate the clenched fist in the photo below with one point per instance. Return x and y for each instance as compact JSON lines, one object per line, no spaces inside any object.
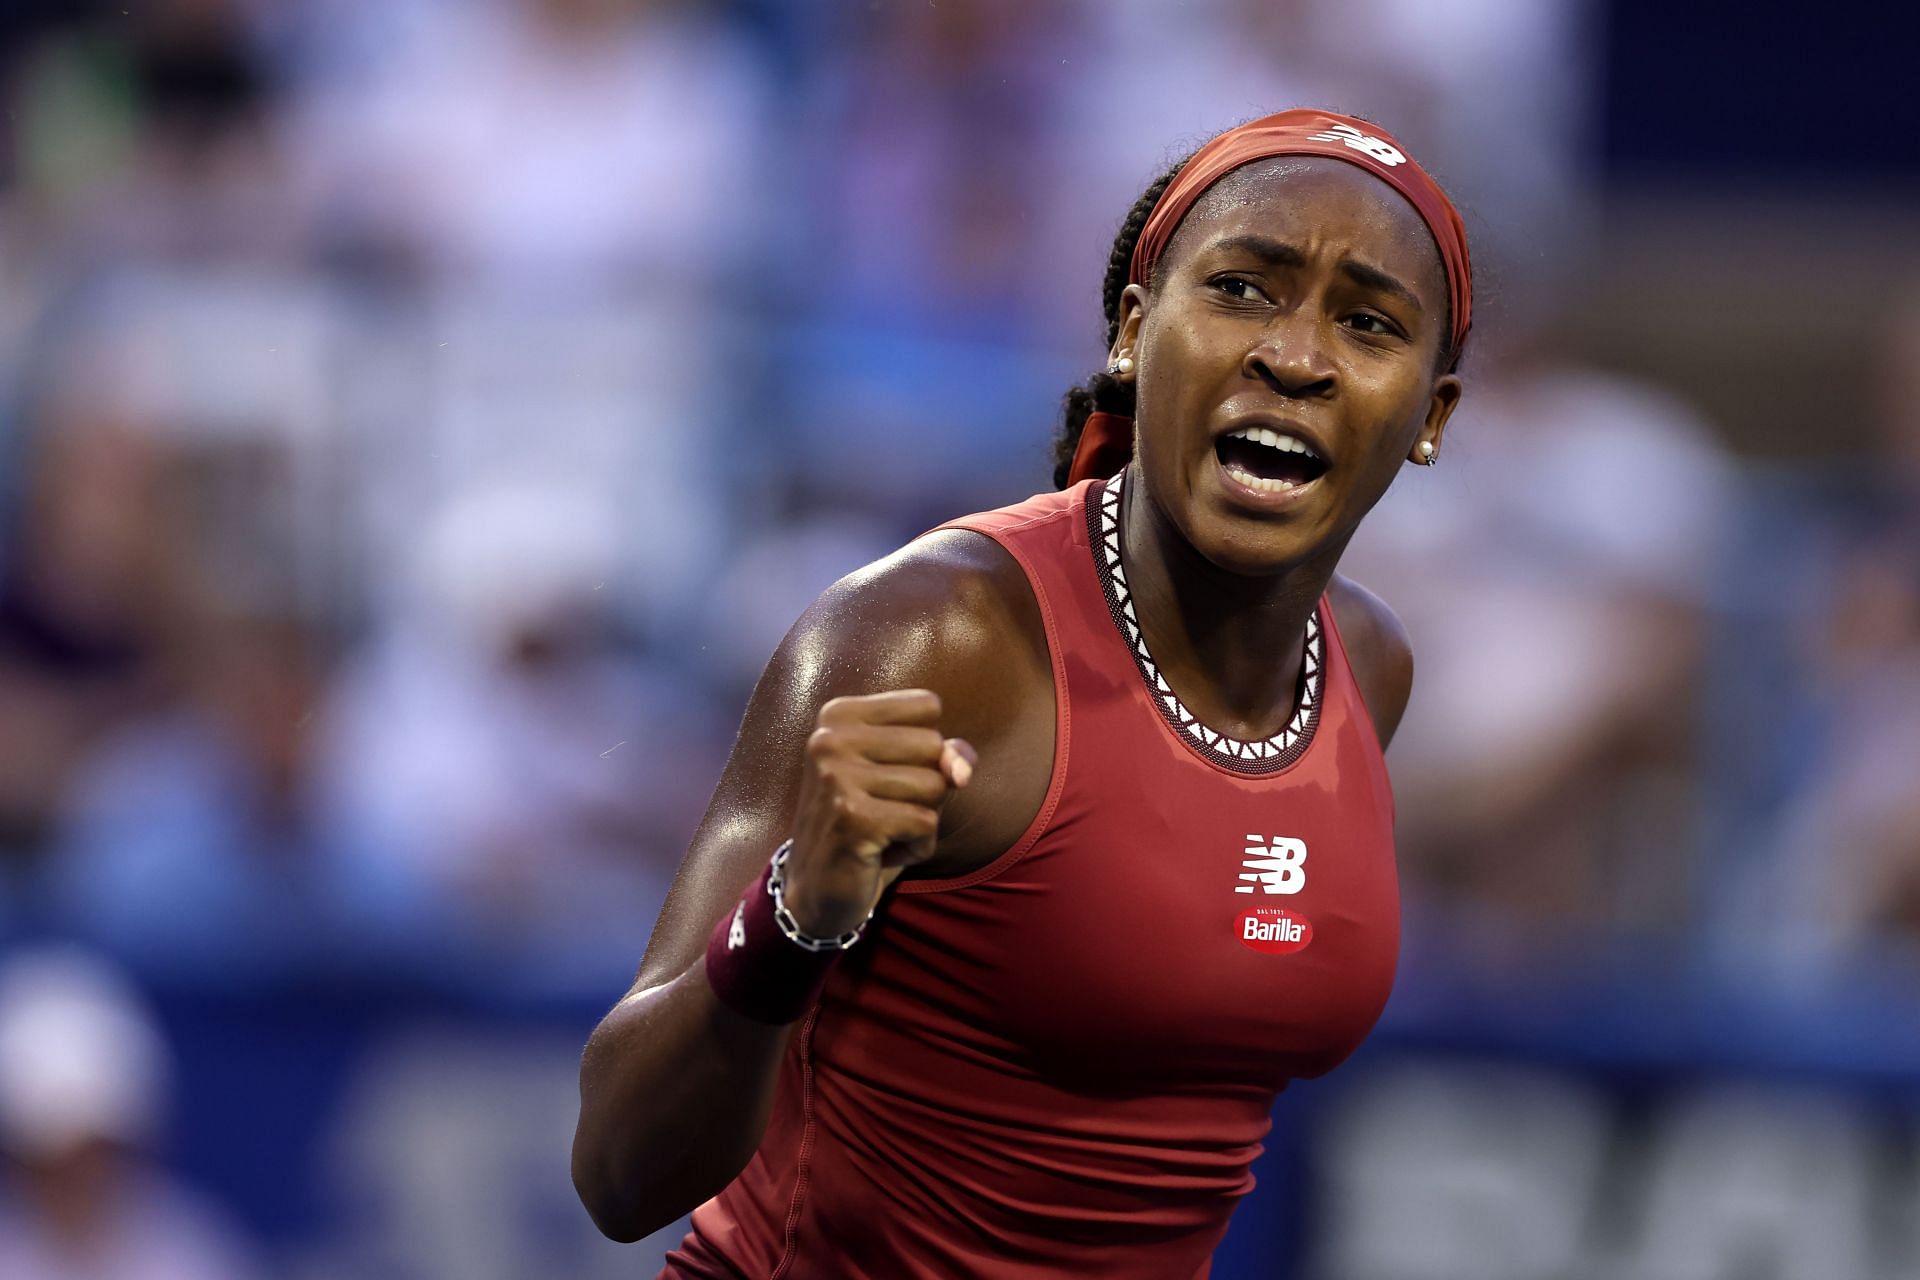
{"x":877,"y":773}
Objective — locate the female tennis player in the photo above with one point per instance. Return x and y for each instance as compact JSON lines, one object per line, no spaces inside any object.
{"x":1056,"y":843}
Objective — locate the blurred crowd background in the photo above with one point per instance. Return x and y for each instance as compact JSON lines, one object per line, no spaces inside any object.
{"x":420,"y":420}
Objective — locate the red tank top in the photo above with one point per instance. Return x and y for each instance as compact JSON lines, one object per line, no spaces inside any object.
{"x":1063,"y":1064}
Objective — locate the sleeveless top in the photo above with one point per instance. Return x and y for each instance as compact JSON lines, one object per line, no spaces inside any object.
{"x":1063,"y":1064}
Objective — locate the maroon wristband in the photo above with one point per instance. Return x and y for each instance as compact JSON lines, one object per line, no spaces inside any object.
{"x":756,"y":970}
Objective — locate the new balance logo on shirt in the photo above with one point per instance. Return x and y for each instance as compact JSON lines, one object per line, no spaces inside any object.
{"x":1273,"y":866}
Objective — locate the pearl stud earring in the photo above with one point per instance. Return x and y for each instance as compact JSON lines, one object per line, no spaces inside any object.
{"x":1426,"y":453}
{"x":1122,"y":367}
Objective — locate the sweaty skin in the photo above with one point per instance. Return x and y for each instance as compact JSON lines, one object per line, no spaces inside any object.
{"x":675,"y":1087}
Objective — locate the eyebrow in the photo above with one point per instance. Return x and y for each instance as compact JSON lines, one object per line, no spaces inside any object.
{"x":1278,"y":253}
{"x":1375,"y":278}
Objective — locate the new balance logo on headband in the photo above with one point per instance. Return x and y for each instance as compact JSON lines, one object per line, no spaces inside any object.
{"x":1365,"y":143}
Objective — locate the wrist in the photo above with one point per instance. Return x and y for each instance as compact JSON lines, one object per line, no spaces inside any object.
{"x":760,"y":963}
{"x":813,"y":938}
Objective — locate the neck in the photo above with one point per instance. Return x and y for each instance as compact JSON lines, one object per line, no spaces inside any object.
{"x":1231,"y":645}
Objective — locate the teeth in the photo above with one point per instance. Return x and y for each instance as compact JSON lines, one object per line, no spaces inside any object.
{"x":1261,"y":483}
{"x":1273,"y":440}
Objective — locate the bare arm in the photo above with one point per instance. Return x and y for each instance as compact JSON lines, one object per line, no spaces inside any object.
{"x":676,"y":1088}
{"x":1381,"y":654}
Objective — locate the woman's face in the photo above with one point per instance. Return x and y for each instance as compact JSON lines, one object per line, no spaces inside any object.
{"x":1301,"y":304}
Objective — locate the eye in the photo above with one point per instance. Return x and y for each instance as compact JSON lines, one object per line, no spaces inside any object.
{"x":1376,"y":325}
{"x":1238,"y":288}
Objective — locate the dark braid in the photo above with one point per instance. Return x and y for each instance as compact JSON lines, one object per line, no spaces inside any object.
{"x":1102,"y":391}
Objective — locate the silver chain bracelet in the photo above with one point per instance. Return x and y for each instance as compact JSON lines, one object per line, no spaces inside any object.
{"x":791,"y":927}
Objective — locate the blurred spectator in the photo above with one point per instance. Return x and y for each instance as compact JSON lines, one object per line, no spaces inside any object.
{"x":501,"y":742}
{"x":171,"y":468}
{"x":148,"y":132}
{"x":936,"y":125}
{"x":1842,"y":877}
{"x":1837,"y":877}
{"x":83,"y":1088}
{"x":926,"y":380}
{"x":582,"y":194}
{"x":193,"y":844}
{"x":89,"y":589}
{"x":546,"y":145}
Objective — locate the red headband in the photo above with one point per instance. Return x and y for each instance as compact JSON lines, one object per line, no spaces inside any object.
{"x":1107,"y":440}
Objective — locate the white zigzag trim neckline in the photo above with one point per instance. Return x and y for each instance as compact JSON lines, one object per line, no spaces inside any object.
{"x":1280,"y":743}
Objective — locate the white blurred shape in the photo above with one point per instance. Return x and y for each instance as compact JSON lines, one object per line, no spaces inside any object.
{"x":499,"y":143}
{"x":1470,"y":1172}
{"x":454,"y":1148}
{"x":510,"y":557}
{"x":80,"y":1057}
{"x":1751,"y":1182}
{"x":83,"y":1083}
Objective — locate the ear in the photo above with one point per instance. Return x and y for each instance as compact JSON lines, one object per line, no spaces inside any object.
{"x":1133,"y":309}
{"x":1446,"y":397}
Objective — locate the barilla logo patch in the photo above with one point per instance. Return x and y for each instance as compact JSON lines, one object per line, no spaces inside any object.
{"x":1274,"y":930}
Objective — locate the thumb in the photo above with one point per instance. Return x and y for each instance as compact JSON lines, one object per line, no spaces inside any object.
{"x":957,"y":758}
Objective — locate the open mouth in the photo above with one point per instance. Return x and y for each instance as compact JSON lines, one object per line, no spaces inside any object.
{"x":1268,"y":461}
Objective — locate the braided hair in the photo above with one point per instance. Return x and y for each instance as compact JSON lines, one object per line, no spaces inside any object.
{"x":1103,"y":391}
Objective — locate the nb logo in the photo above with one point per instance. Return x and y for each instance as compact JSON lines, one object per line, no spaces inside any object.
{"x":1365,"y":143}
{"x":1278,"y":866}
{"x":737,"y":931}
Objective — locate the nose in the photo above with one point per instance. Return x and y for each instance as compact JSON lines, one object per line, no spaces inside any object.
{"x":1291,"y":357}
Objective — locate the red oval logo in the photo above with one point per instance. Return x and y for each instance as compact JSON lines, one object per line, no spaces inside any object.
{"x":1276,"y":931}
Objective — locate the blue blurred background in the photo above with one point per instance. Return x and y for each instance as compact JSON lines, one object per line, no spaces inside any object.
{"x":420,"y":420}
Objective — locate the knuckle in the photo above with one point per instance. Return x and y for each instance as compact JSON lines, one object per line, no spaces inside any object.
{"x":821,"y":743}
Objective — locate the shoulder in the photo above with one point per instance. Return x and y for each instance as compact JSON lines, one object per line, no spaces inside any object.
{"x":931,"y":614}
{"x":1379,"y":651}
{"x":951,"y":612}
